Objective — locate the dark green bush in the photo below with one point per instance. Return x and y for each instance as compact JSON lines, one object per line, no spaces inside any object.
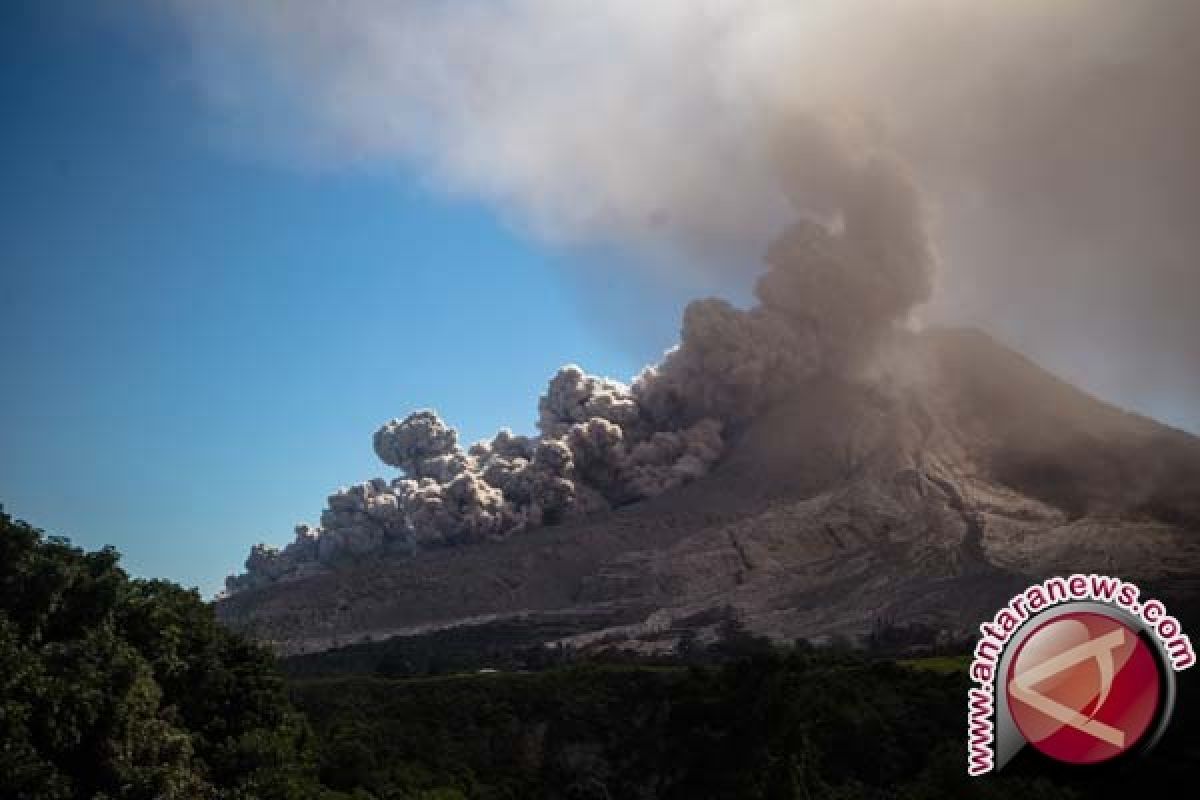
{"x":120,"y":688}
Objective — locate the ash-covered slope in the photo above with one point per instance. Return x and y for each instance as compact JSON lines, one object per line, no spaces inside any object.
{"x":924,"y":490}
{"x":806,"y":462}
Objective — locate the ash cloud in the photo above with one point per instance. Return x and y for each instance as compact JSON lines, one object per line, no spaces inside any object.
{"x":1053,"y":142}
{"x":831,"y":293}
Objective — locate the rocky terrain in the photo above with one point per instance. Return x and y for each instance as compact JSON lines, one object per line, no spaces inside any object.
{"x":926,"y":488}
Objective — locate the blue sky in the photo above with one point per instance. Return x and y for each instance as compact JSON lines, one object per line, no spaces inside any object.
{"x":198,"y":343}
{"x":222,"y":265}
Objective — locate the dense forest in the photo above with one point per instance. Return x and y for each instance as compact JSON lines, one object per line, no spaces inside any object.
{"x":112,"y":687}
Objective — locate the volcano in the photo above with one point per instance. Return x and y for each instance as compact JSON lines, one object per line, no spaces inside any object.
{"x":924,"y":492}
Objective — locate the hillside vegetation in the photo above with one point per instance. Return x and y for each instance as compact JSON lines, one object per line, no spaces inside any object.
{"x":112,"y":688}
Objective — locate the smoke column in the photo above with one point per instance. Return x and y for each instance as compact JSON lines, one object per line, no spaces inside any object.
{"x":832,"y":293}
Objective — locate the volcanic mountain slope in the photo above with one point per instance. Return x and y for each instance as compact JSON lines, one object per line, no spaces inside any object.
{"x":925,"y":491}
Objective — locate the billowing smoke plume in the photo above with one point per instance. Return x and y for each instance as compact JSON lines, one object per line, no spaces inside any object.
{"x":595,"y":451}
{"x":831,"y":292}
{"x":1054,"y":141}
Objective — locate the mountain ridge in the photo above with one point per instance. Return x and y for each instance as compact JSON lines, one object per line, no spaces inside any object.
{"x":948,"y":475}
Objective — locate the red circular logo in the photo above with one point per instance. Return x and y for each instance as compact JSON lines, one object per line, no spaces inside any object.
{"x":1083,"y":688}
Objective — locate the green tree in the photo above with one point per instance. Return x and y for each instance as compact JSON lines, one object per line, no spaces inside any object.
{"x":120,"y":688}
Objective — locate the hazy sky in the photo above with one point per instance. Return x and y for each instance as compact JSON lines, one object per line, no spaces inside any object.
{"x":235,"y":237}
{"x":198,"y":346}
{"x":1053,"y":143}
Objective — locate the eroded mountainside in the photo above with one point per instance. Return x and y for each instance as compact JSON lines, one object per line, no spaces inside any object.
{"x":923,"y":491}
